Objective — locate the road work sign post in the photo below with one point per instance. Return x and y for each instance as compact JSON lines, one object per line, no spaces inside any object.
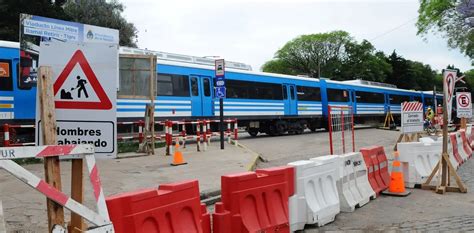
{"x":464,"y":107}
{"x":220,"y":92}
{"x":444,"y":165}
{"x":84,"y":77}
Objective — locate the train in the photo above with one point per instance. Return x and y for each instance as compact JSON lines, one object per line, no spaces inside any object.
{"x":262,"y":102}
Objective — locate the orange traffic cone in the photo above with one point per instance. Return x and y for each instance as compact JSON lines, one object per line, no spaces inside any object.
{"x":397,"y":183}
{"x":177,"y":156}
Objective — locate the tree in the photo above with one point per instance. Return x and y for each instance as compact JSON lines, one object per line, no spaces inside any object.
{"x":363,"y":62}
{"x":312,"y":55}
{"x":103,"y":13}
{"x":453,"y":18}
{"x":10,"y":14}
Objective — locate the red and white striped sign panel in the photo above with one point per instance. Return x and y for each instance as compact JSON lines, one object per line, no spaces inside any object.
{"x":412,"y":107}
{"x":412,"y":117}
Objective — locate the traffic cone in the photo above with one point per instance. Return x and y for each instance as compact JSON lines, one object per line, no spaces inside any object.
{"x":397,"y":183}
{"x":177,"y":156}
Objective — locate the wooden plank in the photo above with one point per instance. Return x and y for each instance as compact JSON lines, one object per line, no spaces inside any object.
{"x":77,"y":193}
{"x":48,"y":126}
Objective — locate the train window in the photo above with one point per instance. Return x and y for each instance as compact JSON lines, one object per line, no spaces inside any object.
{"x":370,"y":97}
{"x":253,"y":90}
{"x":337,"y":95}
{"x":207,"y":87}
{"x":428,"y":101}
{"x":172,"y":85}
{"x":6,"y":79}
{"x":292,"y":92}
{"x":285,"y":92}
{"x":417,"y":98}
{"x":308,"y":93}
{"x":194,"y":86}
{"x":398,"y":99}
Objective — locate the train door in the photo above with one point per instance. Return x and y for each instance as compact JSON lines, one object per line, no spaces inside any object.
{"x":201,"y":96}
{"x":206,"y":97}
{"x":289,"y":98}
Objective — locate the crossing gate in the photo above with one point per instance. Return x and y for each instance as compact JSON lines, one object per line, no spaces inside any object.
{"x":419,"y":159}
{"x":316,"y":200}
{"x":99,"y":219}
{"x":341,"y":129}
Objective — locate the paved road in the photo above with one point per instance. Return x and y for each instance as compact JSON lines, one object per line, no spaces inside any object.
{"x":284,"y":149}
{"x":421,"y":211}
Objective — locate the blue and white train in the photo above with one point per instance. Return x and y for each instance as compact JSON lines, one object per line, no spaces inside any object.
{"x":262,"y":102}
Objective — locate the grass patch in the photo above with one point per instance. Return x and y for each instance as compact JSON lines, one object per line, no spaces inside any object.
{"x":27,"y":161}
{"x":125,"y":147}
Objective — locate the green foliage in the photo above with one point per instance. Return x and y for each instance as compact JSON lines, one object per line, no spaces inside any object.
{"x":340,"y":57}
{"x":103,"y":13}
{"x":10,"y":14}
{"x":95,"y":12}
{"x":449,"y":18}
{"x":305,"y":54}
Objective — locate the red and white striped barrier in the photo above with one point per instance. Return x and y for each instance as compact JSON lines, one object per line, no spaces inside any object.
{"x":100,"y":219}
{"x":7,"y":138}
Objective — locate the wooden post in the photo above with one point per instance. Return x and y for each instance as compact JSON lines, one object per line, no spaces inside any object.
{"x":48,"y":126}
{"x":447,"y":169}
{"x":463,"y":123}
{"x":77,"y":225}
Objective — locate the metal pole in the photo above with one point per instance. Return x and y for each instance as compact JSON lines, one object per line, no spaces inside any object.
{"x":221,"y":121}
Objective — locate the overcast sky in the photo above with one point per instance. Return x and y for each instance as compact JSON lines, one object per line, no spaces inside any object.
{"x":252,"y":31}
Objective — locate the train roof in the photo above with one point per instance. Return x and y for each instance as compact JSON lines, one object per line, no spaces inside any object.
{"x":9,"y":44}
{"x":237,"y":67}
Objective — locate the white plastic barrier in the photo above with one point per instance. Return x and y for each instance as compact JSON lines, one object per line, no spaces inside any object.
{"x":427,"y":139}
{"x":461,"y":150}
{"x":419,"y":160}
{"x":353,"y":187}
{"x":316,"y":199}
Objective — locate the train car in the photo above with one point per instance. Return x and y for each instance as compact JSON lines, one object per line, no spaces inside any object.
{"x":17,"y":87}
{"x":262,"y":102}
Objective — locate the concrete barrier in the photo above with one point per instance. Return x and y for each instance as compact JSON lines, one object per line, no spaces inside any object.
{"x":316,"y":199}
{"x":418,"y":160}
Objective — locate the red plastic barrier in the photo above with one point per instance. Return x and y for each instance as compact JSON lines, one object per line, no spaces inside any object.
{"x":471,"y":137}
{"x":170,"y":208}
{"x":373,"y":166}
{"x":383,"y":165}
{"x":454,"y":144}
{"x":255,"y":201}
{"x":465,"y":143}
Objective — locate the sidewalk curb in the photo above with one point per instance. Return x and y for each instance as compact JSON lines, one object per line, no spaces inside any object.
{"x":253,"y":164}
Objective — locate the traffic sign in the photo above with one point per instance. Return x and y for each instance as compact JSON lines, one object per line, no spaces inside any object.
{"x":67,"y":101}
{"x":84,"y":77}
{"x":449,"y":80}
{"x":220,"y":92}
{"x":464,"y":105}
{"x":412,"y":117}
{"x":220,"y":67}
